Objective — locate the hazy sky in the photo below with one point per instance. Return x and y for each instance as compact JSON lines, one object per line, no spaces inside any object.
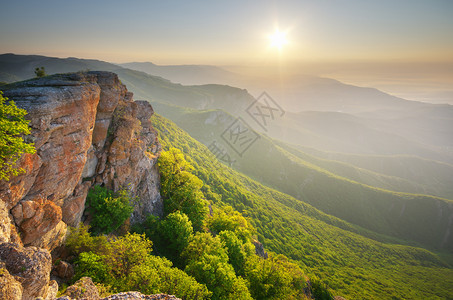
{"x":229,"y":32}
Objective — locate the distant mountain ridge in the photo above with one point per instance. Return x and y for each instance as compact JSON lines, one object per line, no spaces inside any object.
{"x":409,"y":128}
{"x":184,"y":74}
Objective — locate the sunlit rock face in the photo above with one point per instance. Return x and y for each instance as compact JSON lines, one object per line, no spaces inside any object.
{"x":87,"y":130}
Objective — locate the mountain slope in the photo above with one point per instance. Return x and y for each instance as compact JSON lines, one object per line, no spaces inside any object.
{"x":353,"y":266}
{"x":418,"y":218}
{"x":390,"y":126}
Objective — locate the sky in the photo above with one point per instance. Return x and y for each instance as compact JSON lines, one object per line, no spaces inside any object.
{"x":343,"y":34}
{"x":229,"y":32}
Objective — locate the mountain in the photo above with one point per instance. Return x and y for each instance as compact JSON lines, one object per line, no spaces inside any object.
{"x":416,"y":218}
{"x":354,"y":262}
{"x":184,"y":74}
{"x":88,"y":130}
{"x":406,"y":128}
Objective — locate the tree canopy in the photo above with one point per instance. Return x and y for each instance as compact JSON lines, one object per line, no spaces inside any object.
{"x":13,"y":126}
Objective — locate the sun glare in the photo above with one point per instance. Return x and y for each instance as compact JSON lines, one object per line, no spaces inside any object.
{"x":278,"y":39}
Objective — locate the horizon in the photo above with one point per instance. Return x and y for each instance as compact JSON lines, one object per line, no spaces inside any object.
{"x":402,"y":48}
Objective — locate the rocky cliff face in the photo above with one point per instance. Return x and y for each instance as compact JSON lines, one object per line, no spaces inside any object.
{"x":87,"y":130}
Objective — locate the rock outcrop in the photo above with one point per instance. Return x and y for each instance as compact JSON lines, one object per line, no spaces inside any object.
{"x":84,"y":288}
{"x":30,"y":266}
{"x":87,"y":131}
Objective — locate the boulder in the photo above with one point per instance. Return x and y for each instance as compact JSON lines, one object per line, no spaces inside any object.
{"x":10,"y":288}
{"x":63,"y":270}
{"x":84,"y":288}
{"x":30,"y":266}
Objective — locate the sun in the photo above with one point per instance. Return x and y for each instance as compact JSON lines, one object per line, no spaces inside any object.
{"x":278,"y":39}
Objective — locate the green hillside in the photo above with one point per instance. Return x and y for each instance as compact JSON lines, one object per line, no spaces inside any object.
{"x":413,"y":217}
{"x":435,"y":177}
{"x":352,"y":265}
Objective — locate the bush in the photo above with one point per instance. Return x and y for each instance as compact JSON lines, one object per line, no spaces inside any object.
{"x":274,"y":278}
{"x":126,"y":263}
{"x":108,"y":209}
{"x":40,"y":72}
{"x":319,"y":290}
{"x":175,"y":231}
{"x":207,"y":261}
{"x":181,"y":189}
{"x":226,"y":218}
{"x":12,"y":145}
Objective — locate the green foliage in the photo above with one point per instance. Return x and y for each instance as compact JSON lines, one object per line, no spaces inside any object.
{"x":109,"y":210}
{"x":92,"y":265}
{"x":351,"y":261}
{"x":226,"y":218}
{"x":125,"y":263}
{"x":275,"y":278}
{"x":207,"y":261}
{"x":355,"y":195}
{"x":80,"y":240}
{"x":320,"y":290}
{"x":40,"y":72}
{"x":237,"y":250}
{"x":12,"y":145}
{"x":175,"y":231}
{"x":181,"y":189}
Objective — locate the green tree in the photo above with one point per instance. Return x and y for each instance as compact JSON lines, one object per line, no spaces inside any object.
{"x":180,"y":189}
{"x":226,"y":218}
{"x":237,"y":251}
{"x":40,"y":72}
{"x":125,"y":263}
{"x":175,"y":231}
{"x":207,"y":261}
{"x":108,"y":209}
{"x":274,"y":278}
{"x":92,"y":265}
{"x":12,"y":145}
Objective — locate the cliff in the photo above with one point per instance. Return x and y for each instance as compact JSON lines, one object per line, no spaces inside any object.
{"x":87,"y":130}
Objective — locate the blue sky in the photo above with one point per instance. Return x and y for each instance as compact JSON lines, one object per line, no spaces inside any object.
{"x":229,"y":32}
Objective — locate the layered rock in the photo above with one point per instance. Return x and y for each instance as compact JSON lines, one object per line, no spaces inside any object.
{"x":30,"y":267}
{"x":87,"y":130}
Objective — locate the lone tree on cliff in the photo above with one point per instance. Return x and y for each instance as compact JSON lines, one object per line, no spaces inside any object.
{"x":40,"y":72}
{"x":12,"y":145}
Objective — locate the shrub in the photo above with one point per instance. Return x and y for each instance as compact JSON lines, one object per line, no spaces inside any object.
{"x":175,"y":231}
{"x":181,"y":189}
{"x":207,"y":261}
{"x":40,"y":72}
{"x":226,"y":218}
{"x":12,"y":145}
{"x":108,"y":209}
{"x":126,"y":263}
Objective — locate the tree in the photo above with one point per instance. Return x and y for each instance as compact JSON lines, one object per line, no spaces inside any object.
{"x":125,"y":263}
{"x":226,"y":218}
{"x":108,"y":209}
{"x":237,"y":251}
{"x":207,"y":261}
{"x":12,"y":145}
{"x":274,"y":278}
{"x":180,"y":189}
{"x":40,"y":72}
{"x":175,"y":231}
